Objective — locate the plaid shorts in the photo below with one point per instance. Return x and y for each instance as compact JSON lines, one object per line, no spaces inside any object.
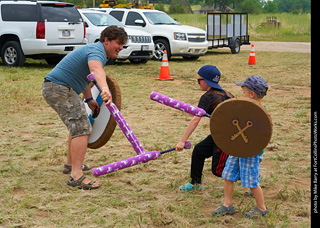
{"x":246,"y":169}
{"x":69,"y":106}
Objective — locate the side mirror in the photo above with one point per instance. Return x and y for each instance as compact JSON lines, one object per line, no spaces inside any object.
{"x":140,"y":22}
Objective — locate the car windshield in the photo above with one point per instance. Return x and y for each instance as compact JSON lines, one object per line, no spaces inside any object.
{"x":159,"y":18}
{"x":102,"y":19}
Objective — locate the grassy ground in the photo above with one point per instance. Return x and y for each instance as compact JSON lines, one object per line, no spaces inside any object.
{"x":293,"y":27}
{"x":33,"y":144}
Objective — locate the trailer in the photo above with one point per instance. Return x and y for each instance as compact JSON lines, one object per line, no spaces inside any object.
{"x":227,"y":30}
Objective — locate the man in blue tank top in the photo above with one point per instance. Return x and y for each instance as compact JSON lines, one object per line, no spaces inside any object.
{"x":61,"y":90}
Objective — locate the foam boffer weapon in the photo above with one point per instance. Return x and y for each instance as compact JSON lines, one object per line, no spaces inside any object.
{"x":142,"y":156}
{"x":188,"y":108}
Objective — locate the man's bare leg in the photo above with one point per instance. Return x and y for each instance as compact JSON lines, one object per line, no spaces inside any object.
{"x":78,"y":147}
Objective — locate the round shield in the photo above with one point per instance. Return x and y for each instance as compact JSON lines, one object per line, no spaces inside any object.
{"x":103,"y":125}
{"x":241,"y":127}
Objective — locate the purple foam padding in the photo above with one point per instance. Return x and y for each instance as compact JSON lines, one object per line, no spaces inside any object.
{"x":91,"y":77}
{"x":125,"y":128}
{"x":187,"y":145}
{"x":141,"y":158}
{"x":193,"y":110}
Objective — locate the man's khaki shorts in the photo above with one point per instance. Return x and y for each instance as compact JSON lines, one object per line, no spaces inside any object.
{"x":69,"y":106}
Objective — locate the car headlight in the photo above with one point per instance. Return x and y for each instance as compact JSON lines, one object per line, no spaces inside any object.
{"x":180,"y":36}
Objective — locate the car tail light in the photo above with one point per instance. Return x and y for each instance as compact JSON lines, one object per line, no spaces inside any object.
{"x":41,"y":30}
{"x":84,"y":30}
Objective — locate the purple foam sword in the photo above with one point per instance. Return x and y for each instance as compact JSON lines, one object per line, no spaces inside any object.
{"x":125,"y":163}
{"x":188,"y":108}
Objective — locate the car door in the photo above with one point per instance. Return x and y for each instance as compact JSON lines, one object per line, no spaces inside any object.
{"x":63,"y":24}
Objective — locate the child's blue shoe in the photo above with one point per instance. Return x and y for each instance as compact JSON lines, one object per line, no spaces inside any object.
{"x":190,"y":187}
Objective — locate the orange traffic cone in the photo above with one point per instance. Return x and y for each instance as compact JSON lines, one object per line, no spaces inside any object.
{"x":164,"y":72}
{"x":252,"y":57}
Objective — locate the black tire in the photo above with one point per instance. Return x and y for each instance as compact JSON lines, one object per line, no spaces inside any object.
{"x":138,"y":61}
{"x":159,"y":46}
{"x":110,"y":61}
{"x":54,"y":60}
{"x":12,"y":54}
{"x":235,"y":48}
{"x":191,"y":57}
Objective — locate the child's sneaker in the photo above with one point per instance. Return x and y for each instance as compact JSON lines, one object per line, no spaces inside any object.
{"x":189,"y":187}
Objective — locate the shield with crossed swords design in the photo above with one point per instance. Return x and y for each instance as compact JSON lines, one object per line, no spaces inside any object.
{"x":241,"y":127}
{"x":103,"y":125}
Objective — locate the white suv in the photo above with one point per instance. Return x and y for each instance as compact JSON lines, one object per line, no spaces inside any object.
{"x":138,"y":49}
{"x":178,"y":40}
{"x":39,"y":29}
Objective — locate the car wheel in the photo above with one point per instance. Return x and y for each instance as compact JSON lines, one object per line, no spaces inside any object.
{"x":110,"y":61}
{"x":191,"y":57}
{"x":12,"y":55}
{"x":137,"y":61}
{"x":159,"y":46}
{"x":54,"y":60}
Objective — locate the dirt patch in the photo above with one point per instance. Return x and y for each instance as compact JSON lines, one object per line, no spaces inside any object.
{"x":299,"y":47}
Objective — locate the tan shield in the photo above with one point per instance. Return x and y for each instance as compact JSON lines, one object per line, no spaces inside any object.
{"x":103,"y":125}
{"x":241,"y":127}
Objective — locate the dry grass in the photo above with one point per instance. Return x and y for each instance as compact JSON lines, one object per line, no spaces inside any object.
{"x":293,"y":28}
{"x":33,"y":141}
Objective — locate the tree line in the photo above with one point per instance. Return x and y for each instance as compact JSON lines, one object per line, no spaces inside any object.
{"x":248,"y":6}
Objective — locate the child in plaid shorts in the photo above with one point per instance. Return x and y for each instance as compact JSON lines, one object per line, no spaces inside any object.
{"x":245,"y":169}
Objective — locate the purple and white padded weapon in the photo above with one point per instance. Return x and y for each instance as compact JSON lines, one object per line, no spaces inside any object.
{"x":141,"y":158}
{"x":188,"y":108}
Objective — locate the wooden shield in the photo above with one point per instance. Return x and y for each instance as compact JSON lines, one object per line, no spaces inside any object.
{"x":241,"y":127}
{"x":103,"y":125}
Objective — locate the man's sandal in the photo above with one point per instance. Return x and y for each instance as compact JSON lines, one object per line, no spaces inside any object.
{"x":79,"y":183}
{"x":67,"y":168}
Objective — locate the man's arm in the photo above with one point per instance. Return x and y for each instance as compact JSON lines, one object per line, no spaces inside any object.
{"x":95,"y":67}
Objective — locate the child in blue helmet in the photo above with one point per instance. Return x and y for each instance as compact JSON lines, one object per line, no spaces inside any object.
{"x":208,"y":78}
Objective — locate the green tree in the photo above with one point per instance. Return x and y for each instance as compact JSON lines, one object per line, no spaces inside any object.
{"x":293,"y":5}
{"x":250,"y":6}
{"x":270,"y":7}
{"x":160,"y":6}
{"x":222,"y":4}
{"x":180,"y":7}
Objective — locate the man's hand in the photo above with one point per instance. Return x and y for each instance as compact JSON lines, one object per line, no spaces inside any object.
{"x":105,"y":95}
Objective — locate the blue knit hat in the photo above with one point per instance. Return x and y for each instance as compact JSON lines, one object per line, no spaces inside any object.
{"x":255,"y":84}
{"x":211,"y":75}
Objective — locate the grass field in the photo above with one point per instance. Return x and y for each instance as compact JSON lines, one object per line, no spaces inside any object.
{"x":33,"y":144}
{"x":293,"y":27}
